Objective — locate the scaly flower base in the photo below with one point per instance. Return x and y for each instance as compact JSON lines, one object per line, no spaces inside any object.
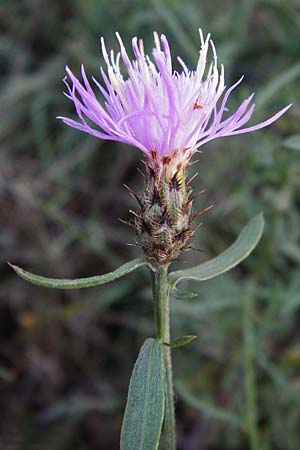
{"x":164,"y":222}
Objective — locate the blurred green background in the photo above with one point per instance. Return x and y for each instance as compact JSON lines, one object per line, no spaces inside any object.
{"x":66,"y":357}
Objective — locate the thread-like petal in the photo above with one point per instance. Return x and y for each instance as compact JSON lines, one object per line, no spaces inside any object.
{"x":155,"y":108}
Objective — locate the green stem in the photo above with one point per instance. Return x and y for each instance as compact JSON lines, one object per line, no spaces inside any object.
{"x":250,"y":383}
{"x":161,"y":292}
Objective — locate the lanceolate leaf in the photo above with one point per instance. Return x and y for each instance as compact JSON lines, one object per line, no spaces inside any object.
{"x":145,"y":403}
{"x":182,"y":340}
{"x":80,"y":282}
{"x":185,"y":295}
{"x":230,"y":258}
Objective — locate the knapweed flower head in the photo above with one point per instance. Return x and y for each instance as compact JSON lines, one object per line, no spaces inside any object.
{"x":155,"y":108}
{"x":168,"y":115}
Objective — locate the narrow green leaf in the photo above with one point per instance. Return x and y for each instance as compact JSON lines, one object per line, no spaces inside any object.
{"x":144,"y":411}
{"x":293,"y":142}
{"x":185,"y":295}
{"x":230,"y":258}
{"x":182,"y":340}
{"x":80,"y":282}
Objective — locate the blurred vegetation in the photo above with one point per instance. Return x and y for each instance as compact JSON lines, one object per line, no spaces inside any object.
{"x":66,"y":357}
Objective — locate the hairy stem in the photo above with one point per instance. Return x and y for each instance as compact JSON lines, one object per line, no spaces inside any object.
{"x":161,"y":297}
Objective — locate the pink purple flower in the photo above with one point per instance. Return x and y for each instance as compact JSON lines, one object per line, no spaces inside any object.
{"x":155,"y":108}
